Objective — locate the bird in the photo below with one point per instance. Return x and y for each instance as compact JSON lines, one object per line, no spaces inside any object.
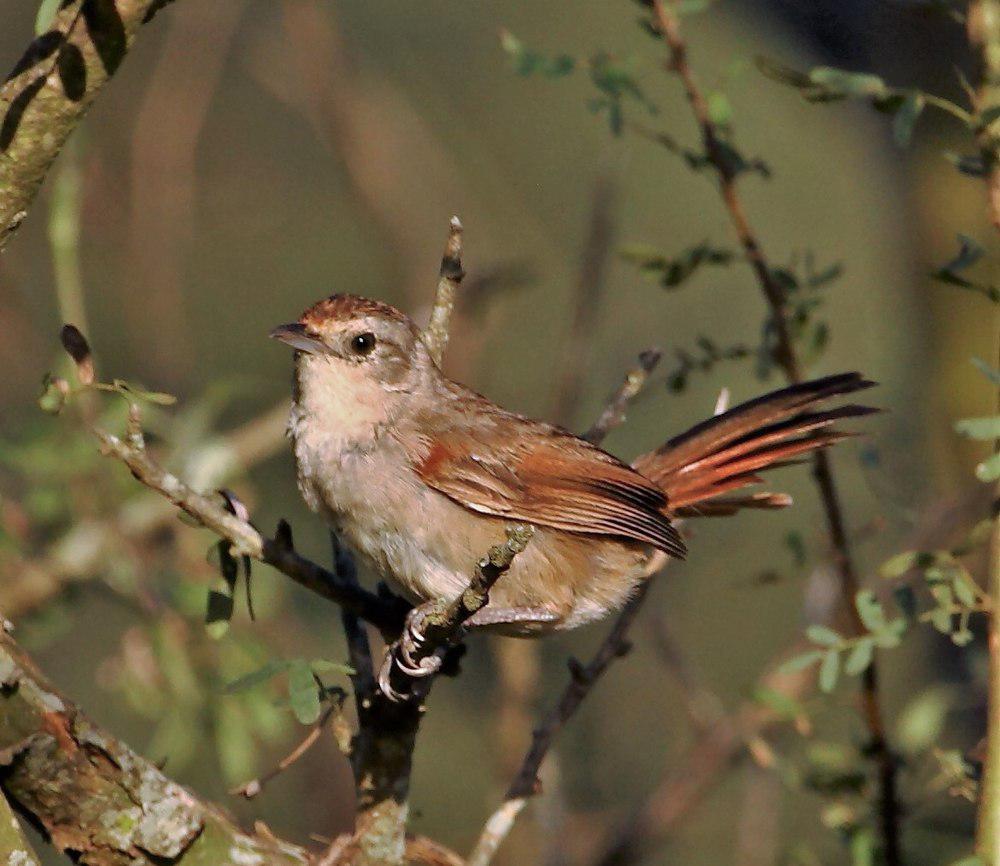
{"x":420,"y":475}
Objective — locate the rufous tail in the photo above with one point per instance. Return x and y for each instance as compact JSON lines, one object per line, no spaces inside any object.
{"x":725,"y":453}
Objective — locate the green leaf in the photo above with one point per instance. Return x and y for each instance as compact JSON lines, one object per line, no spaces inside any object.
{"x":159,"y":398}
{"x":906,"y":117}
{"x":982,"y":429}
{"x":720,"y":110}
{"x":922,"y":720}
{"x":988,"y":116}
{"x":46,"y":14}
{"x":870,"y":610}
{"x":840,"y":82}
{"x":823,"y":635}
{"x":800,"y":662}
{"x":325,"y":666}
{"x":264,"y":673}
{"x":781,"y":704}
{"x":54,"y":394}
{"x":829,"y":671}
{"x":303,"y":692}
{"x":672,"y":272}
{"x":941,"y":620}
{"x":898,"y":565}
{"x":989,"y":469}
{"x":860,"y":657}
{"x":528,"y":62}
{"x":964,"y":591}
{"x":862,"y":847}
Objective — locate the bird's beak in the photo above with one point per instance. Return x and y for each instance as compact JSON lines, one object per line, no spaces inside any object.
{"x":298,"y":337}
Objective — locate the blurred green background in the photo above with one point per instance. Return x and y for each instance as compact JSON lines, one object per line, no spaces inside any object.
{"x":254,"y":155}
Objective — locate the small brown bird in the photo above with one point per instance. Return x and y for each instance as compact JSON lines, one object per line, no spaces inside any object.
{"x":421,"y":476}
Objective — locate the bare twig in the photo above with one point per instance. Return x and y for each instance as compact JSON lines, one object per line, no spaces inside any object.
{"x":436,"y":335}
{"x":386,"y":614}
{"x":50,"y":90}
{"x":582,"y":680}
{"x":614,"y":412}
{"x":251,"y":789}
{"x":667,"y":21}
{"x":703,"y":706}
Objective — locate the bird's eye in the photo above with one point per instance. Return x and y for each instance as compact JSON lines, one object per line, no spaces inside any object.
{"x":362,"y":344}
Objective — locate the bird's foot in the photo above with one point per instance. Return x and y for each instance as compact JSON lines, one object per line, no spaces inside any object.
{"x":409,"y":656}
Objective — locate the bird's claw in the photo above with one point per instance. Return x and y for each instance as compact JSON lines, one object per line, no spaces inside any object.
{"x":407,"y":656}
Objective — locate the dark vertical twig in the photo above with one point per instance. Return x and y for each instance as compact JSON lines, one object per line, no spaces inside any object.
{"x":668,"y":22}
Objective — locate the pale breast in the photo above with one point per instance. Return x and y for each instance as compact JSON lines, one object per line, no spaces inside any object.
{"x":428,"y":545}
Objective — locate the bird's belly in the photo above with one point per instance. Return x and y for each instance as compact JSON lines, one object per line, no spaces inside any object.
{"x":428,"y":545}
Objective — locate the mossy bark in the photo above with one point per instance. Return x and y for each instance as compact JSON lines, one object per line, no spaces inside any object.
{"x":98,"y":800}
{"x":50,"y":89}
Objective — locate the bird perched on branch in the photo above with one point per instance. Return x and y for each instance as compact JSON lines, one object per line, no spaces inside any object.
{"x":421,"y":475}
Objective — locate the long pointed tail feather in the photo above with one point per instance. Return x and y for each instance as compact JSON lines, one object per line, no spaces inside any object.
{"x":724,"y":453}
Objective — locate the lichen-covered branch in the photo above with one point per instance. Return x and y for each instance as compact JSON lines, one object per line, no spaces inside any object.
{"x":51,"y":88}
{"x":98,"y":800}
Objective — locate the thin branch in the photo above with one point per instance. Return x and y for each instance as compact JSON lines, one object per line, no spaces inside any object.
{"x":668,"y":22}
{"x":385,"y":613}
{"x":582,"y":680}
{"x":614,"y":412}
{"x":51,"y":88}
{"x":436,"y":335}
{"x":251,"y":789}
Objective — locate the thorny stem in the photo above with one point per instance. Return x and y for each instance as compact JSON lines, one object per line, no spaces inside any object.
{"x":668,"y":22}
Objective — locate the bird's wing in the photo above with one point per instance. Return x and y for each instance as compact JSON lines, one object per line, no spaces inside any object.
{"x":548,"y":477}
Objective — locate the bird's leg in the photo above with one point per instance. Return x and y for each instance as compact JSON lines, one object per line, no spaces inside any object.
{"x":405,"y":653}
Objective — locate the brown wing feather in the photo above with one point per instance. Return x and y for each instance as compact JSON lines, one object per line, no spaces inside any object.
{"x":549,"y":478}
